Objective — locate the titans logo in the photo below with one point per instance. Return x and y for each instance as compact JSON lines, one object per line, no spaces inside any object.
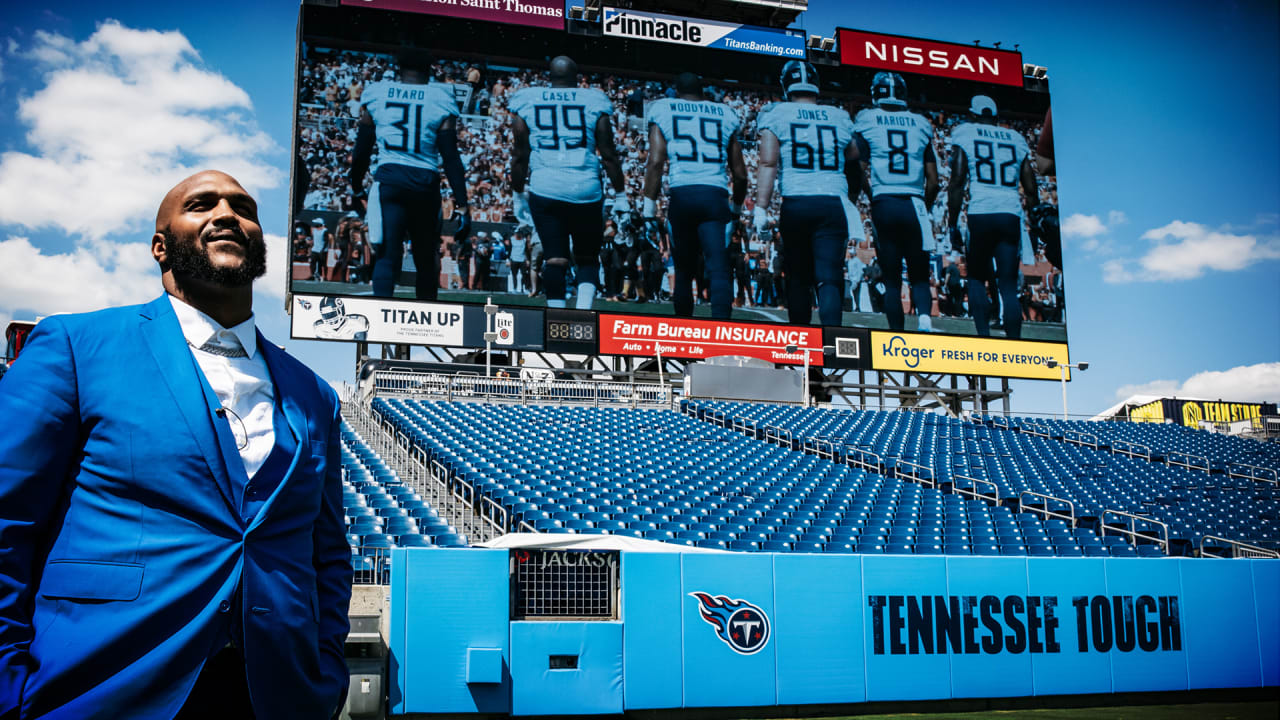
{"x":741,"y":625}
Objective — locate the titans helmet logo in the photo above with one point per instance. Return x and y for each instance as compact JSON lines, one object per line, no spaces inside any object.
{"x":741,"y":625}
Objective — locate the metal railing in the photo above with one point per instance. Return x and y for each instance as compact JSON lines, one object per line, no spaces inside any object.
{"x":773,"y":433}
{"x":1035,"y":429}
{"x":914,"y":472}
{"x":522,"y":390}
{"x":1237,"y":548}
{"x":975,"y":494}
{"x":863,"y":458}
{"x":473,"y":515}
{"x":1187,"y":460}
{"x":1078,"y":437}
{"x":829,"y":452}
{"x":1253,"y":475}
{"x":1069,"y":517}
{"x":1132,"y":449}
{"x":1133,"y":532}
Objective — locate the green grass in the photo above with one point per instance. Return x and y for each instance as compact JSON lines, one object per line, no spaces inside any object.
{"x":1268,"y":710}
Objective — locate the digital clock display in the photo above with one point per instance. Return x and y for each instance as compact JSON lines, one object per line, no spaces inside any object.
{"x":571,"y":331}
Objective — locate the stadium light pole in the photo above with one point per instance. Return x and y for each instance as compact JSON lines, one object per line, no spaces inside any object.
{"x":490,"y":310}
{"x":657,"y":348}
{"x":826,"y":350}
{"x":1062,"y":374}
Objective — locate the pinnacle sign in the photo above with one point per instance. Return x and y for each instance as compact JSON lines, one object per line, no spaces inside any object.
{"x":636,"y":25}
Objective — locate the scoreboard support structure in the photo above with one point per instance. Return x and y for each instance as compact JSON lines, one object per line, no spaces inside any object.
{"x":861,"y":389}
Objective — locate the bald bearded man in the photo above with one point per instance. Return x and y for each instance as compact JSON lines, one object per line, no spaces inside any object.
{"x":171,"y":530}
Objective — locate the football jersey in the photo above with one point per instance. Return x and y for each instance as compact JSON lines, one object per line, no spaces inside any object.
{"x":562,"y":140}
{"x":995,"y":157}
{"x":698,"y":133}
{"x":406,"y":118}
{"x":811,"y":140}
{"x":898,"y":143}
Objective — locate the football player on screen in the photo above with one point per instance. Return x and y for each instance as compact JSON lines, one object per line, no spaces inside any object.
{"x":696,"y":141}
{"x":896,"y":147}
{"x":559,"y":131}
{"x":415,"y":126}
{"x":992,"y":162}
{"x":810,"y":148}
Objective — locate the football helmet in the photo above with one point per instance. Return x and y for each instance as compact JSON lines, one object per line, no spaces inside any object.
{"x":332,"y":310}
{"x":799,"y":76}
{"x":888,"y":89}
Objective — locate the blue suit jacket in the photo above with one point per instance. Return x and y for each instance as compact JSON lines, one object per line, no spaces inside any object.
{"x":120,"y":544}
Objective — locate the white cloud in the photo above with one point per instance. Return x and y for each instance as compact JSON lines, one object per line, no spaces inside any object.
{"x":1246,"y":383}
{"x":122,"y":116}
{"x":1117,"y":217}
{"x":1185,"y":250}
{"x":97,"y":275}
{"x":1083,"y":226}
{"x":105,"y":274}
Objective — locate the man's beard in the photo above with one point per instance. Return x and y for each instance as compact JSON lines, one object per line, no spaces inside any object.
{"x":190,"y":261}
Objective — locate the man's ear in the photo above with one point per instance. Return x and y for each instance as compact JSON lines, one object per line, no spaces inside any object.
{"x":158,"y":251}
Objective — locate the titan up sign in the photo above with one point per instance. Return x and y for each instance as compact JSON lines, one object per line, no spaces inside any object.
{"x":929,"y":57}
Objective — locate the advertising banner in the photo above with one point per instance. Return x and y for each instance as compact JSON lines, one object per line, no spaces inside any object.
{"x":929,"y":57}
{"x":702,"y":33}
{"x":1191,"y":412}
{"x":1151,"y":412}
{"x":693,"y":339}
{"x":324,"y":317}
{"x":921,"y":352}
{"x":535,"y":13}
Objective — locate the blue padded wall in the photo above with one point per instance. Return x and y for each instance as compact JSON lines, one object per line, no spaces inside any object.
{"x":442,"y":603}
{"x":1069,"y":670}
{"x":714,"y":674}
{"x":1221,"y":639}
{"x":991,"y":582}
{"x":1133,"y":671}
{"x":652,"y":630}
{"x":901,"y":676}
{"x":842,"y":629}
{"x":817,"y":611}
{"x":593,"y":688}
{"x":1266,"y":600}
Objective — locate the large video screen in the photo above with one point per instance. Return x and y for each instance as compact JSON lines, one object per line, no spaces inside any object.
{"x":448,"y":160}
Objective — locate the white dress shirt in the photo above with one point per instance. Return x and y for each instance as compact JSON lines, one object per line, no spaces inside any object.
{"x":242,"y":384}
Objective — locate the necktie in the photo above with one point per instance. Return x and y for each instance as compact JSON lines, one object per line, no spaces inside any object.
{"x":230,"y":352}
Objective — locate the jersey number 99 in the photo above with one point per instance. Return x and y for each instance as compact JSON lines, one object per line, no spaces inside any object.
{"x":570,"y":122}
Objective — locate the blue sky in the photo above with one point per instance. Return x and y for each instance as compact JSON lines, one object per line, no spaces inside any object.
{"x":1166,"y":115}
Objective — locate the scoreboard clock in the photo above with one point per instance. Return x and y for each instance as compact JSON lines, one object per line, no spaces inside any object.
{"x":571,"y":331}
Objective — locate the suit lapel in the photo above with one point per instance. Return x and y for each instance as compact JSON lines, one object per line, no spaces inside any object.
{"x":288,"y":390}
{"x":163,"y":337}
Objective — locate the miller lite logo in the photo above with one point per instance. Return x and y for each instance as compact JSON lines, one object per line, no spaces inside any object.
{"x":504,"y":324}
{"x":739,"y":624}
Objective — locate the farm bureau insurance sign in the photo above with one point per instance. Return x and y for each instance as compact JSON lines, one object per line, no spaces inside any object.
{"x":535,"y":13}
